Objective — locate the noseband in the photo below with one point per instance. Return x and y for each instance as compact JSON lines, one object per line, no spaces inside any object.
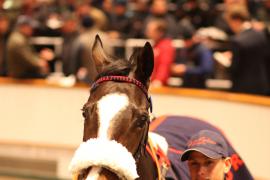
{"x":126,"y":79}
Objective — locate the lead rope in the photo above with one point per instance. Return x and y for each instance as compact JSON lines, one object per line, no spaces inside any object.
{"x":153,"y":153}
{"x":75,"y":176}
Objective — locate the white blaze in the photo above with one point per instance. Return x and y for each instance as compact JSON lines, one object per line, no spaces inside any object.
{"x":108,"y":107}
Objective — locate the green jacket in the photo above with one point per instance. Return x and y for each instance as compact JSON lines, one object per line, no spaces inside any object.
{"x":22,"y":60}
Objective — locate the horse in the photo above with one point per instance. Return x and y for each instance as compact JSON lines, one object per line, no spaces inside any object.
{"x":117,"y":123}
{"x":116,"y":118}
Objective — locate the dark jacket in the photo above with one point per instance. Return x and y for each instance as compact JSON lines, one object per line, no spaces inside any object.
{"x":248,"y":69}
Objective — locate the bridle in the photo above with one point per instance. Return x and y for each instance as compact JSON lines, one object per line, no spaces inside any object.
{"x":142,"y":146}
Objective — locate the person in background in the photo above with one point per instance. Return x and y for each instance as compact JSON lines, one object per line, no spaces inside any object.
{"x":207,"y":156}
{"x":119,"y":22}
{"x":194,"y":63}
{"x":164,"y":52}
{"x":159,"y":9}
{"x":22,"y":60}
{"x":4,"y":28}
{"x":87,"y":9}
{"x":84,"y":42}
{"x":139,"y":14}
{"x":70,"y":61}
{"x":249,"y":53}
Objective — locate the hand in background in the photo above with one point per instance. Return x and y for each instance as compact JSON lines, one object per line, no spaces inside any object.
{"x":82,"y":73}
{"x":223,"y":58}
{"x":47,"y":54}
{"x":178,"y":69}
{"x":114,"y":34}
{"x":44,"y":68}
{"x":156,"y":83}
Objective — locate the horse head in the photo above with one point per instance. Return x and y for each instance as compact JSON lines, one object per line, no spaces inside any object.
{"x":116,"y":116}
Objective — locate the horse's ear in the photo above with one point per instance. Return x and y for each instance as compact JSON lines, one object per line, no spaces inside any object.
{"x":98,"y":54}
{"x":142,"y":61}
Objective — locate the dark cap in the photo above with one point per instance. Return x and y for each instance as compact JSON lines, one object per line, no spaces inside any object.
{"x":187,"y":34}
{"x":207,"y":142}
{"x":186,"y":30}
{"x":87,"y":21}
{"x":26,"y":20}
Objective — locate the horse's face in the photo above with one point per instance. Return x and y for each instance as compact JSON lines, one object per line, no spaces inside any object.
{"x":116,"y":116}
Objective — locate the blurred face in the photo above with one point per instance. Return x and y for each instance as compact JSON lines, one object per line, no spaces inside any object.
{"x":203,"y":168}
{"x":188,"y":43}
{"x":83,"y":10}
{"x":235,"y":25}
{"x":120,"y":10}
{"x":26,"y":30}
{"x":152,"y":32}
{"x":4,"y":24}
{"x":69,"y":26}
{"x":159,"y":7}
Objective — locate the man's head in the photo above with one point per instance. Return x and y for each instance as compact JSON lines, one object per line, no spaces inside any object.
{"x":156,"y":29}
{"x":207,"y":156}
{"x":235,"y":16}
{"x":159,"y":7}
{"x":4,"y":24}
{"x":187,"y":33}
{"x":26,"y":25}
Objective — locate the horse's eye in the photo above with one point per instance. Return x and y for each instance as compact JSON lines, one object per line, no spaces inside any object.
{"x":142,"y":120}
{"x":145,"y":118}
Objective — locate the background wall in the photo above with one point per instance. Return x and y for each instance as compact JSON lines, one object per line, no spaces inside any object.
{"x":45,"y":122}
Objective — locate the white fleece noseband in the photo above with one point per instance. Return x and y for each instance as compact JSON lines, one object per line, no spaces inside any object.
{"x":104,"y":153}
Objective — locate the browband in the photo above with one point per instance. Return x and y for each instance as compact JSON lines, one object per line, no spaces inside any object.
{"x":124,"y":79}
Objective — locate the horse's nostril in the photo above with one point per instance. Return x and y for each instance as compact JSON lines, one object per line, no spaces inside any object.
{"x":84,"y":114}
{"x":83,"y":174}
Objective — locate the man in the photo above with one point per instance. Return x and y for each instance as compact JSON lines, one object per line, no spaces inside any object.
{"x":207,"y":156}
{"x":194,"y":63}
{"x":87,"y":71}
{"x":22,"y":60}
{"x":249,"y":54}
{"x":69,"y":57}
{"x":4,"y":29}
{"x":164,"y":52}
{"x":177,"y":130}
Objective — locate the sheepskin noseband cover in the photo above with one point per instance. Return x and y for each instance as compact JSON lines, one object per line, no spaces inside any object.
{"x":104,"y":153}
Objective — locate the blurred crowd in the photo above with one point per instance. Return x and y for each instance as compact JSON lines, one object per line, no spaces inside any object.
{"x":221,"y":39}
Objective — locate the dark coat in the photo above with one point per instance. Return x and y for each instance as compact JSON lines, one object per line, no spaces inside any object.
{"x":248,"y":69}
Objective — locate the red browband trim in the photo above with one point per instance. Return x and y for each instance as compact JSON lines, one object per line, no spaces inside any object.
{"x":123,"y":79}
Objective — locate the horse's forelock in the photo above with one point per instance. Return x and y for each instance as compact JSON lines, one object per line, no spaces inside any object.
{"x":120,"y":67}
